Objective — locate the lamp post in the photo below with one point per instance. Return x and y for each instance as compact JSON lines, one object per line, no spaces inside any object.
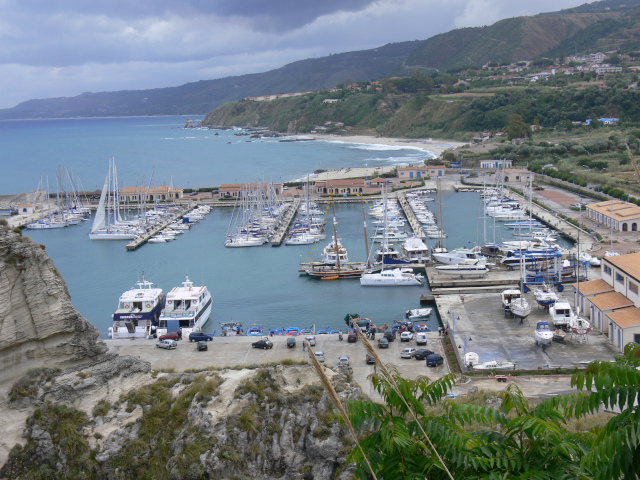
{"x":464,"y":358}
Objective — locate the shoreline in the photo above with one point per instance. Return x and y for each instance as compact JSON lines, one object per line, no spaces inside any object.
{"x":433,"y":146}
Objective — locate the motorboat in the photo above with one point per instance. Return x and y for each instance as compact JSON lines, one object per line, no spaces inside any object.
{"x":334,"y":252}
{"x":415,"y":249}
{"x":255,"y":331}
{"x":138,"y":311}
{"x":231,"y":329}
{"x":545,"y":295}
{"x":561,"y":313}
{"x":245,"y":240}
{"x":187,"y":309}
{"x":418,"y":313}
{"x":543,"y":334}
{"x":292,"y":331}
{"x":394,"y":277}
{"x":466,"y":268}
{"x":491,"y":365}
{"x":453,"y":257}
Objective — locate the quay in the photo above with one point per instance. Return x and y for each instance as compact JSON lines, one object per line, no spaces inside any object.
{"x":142,"y":239}
{"x":477,"y":323}
{"x":277,"y":238}
{"x":495,"y":280}
{"x":411,"y":216}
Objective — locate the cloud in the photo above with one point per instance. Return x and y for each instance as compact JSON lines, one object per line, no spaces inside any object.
{"x":66,"y":47}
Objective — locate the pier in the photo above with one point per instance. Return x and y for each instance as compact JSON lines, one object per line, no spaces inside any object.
{"x":142,"y":239}
{"x":549,"y":218}
{"x":411,"y":216}
{"x":277,"y":238}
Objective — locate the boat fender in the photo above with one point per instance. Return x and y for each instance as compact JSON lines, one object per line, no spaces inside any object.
{"x":148,"y":305}
{"x":126,"y":305}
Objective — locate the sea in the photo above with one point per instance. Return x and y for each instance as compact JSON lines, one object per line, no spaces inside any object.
{"x":254,"y":286}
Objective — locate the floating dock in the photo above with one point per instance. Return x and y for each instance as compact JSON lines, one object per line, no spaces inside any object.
{"x":278,"y":237}
{"x":411,"y":216}
{"x":142,"y":239}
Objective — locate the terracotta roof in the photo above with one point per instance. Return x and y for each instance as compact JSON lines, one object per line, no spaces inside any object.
{"x":359,"y":182}
{"x":593,"y":286}
{"x":630,"y":264}
{"x":616,"y":209}
{"x":627,"y":317}
{"x":515,"y":170}
{"x":239,"y":186}
{"x":379,"y":180}
{"x":610,"y":301}
{"x":150,"y":191}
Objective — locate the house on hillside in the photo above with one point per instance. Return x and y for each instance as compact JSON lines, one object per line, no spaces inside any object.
{"x":504,"y":163}
{"x":517,"y":175}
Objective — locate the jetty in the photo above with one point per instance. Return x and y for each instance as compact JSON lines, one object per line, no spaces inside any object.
{"x":411,"y":216}
{"x":142,"y":239}
{"x":277,"y":238}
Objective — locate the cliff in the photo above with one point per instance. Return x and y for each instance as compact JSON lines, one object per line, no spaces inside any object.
{"x":38,"y":323}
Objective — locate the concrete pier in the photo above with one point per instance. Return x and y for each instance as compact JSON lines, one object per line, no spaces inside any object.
{"x":142,"y":239}
{"x":277,"y":238}
{"x":411,"y":216}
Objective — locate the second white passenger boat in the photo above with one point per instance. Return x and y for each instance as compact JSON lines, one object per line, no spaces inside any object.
{"x":187,"y":309}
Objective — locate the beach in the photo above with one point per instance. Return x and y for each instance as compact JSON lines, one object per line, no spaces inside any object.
{"x":433,"y":146}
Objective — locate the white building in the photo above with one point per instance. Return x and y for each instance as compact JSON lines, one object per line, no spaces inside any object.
{"x":496,"y":163}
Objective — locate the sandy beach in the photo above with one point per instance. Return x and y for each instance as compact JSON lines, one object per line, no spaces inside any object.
{"x":433,"y":146}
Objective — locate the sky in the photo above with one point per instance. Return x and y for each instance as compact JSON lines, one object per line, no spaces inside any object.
{"x":59,"y":48}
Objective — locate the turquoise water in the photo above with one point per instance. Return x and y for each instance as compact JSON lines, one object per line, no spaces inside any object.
{"x":258,"y":285}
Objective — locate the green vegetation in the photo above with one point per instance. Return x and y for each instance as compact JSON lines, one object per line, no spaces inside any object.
{"x":28,"y":385}
{"x":417,"y":434}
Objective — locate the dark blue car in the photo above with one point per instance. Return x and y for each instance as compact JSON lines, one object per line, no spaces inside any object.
{"x":200,"y":336}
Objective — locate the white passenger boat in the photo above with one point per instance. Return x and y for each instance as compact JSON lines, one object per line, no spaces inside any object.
{"x":466,"y":268}
{"x":395,"y":277}
{"x":415,"y":249}
{"x":543,"y":334}
{"x":138,"y":311}
{"x":187,"y":308}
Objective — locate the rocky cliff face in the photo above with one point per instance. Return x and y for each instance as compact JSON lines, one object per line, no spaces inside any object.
{"x":38,"y":323}
{"x":264,"y":423}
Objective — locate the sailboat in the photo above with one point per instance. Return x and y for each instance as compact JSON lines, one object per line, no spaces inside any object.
{"x":439,"y":246}
{"x":108,"y":224}
{"x":337,"y":265}
{"x":519,"y":306}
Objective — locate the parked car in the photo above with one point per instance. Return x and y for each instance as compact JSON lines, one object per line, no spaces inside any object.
{"x":390,"y":334}
{"x":319,"y":355}
{"x":422,"y":354}
{"x":538,"y":188}
{"x":168,"y":344}
{"x":265,"y":343}
{"x":421,"y":338}
{"x":343,"y":360}
{"x":200,"y":337}
{"x":291,"y":342}
{"x":312,"y":340}
{"x":352,"y":337}
{"x":202,"y":345}
{"x":383,"y":343}
{"x":406,"y":336}
{"x":434,"y":360}
{"x":407,"y":352}
{"x":171,"y":336}
{"x":370,"y":359}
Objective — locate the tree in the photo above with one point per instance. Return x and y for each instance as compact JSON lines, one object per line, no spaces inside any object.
{"x":516,"y":127}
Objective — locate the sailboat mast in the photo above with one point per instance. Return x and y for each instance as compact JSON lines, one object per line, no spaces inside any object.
{"x":366,"y":240}
{"x":335,"y":235}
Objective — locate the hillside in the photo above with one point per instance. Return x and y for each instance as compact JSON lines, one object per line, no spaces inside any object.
{"x":203,"y":96}
{"x":507,"y":41}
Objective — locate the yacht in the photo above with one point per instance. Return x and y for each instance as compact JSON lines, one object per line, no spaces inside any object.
{"x":415,"y":250}
{"x":138,"y":311}
{"x":187,"y":309}
{"x":394,"y":277}
{"x":466,"y":268}
{"x":334,"y":253}
{"x":454,"y":257}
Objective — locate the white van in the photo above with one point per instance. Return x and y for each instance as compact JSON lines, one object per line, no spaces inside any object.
{"x":421,"y":338}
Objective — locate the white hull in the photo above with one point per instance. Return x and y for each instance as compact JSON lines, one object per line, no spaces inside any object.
{"x":389,"y":278}
{"x":418,"y":313}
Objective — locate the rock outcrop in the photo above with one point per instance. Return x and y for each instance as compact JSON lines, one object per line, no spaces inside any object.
{"x":39,"y":326}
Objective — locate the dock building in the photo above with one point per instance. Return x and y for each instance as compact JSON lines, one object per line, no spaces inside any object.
{"x":150,"y":194}
{"x":349,"y":186}
{"x":235,"y":190}
{"x":613,"y":303}
{"x":616,"y":214}
{"x":412,"y":172}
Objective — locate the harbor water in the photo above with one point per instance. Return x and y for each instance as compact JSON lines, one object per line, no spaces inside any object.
{"x":257,"y":285}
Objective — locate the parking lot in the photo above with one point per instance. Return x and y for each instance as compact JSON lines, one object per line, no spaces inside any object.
{"x":236,"y":351}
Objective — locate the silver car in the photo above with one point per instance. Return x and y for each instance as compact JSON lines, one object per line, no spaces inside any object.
{"x":408,"y":352}
{"x":312,"y":340}
{"x":168,"y":344}
{"x":319,"y":356}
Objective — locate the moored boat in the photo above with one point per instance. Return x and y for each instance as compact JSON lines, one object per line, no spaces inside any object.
{"x":138,"y":311}
{"x":418,"y":313}
{"x":543,"y":334}
{"x":187,"y":309}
